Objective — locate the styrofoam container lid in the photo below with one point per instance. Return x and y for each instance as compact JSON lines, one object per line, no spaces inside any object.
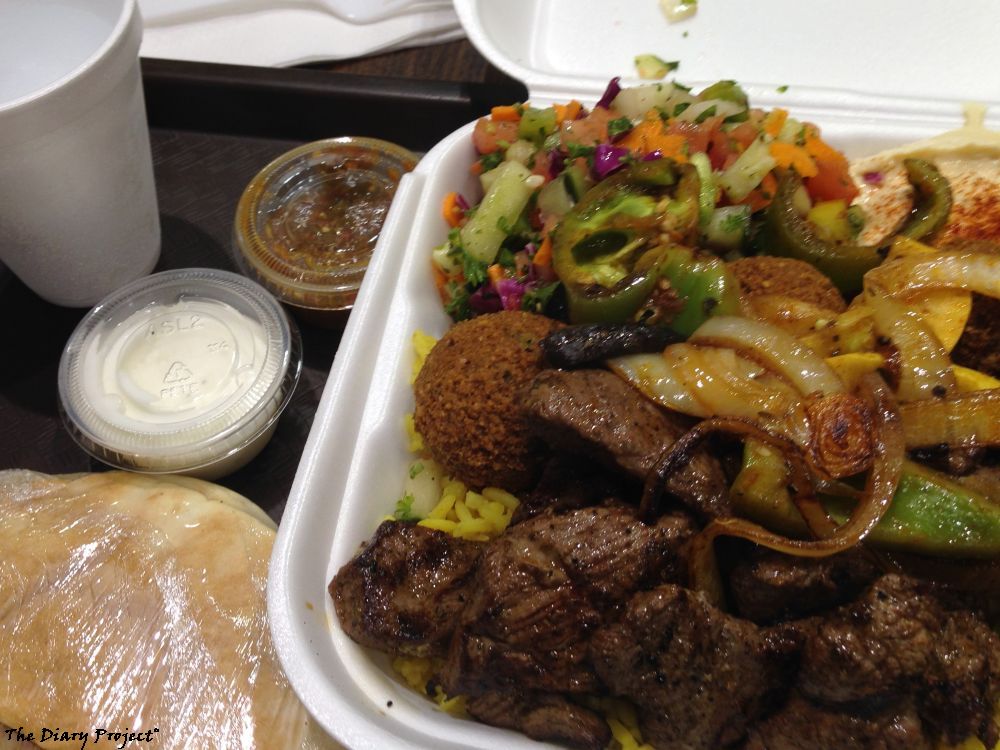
{"x":566,"y":48}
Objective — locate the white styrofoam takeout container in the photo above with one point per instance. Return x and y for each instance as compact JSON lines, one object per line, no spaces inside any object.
{"x":355,"y":460}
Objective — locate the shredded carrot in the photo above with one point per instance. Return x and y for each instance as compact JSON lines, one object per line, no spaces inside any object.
{"x":476,"y":169}
{"x":569,"y":111}
{"x":451,"y":210}
{"x":788,"y":155}
{"x":509,"y":113}
{"x":495,"y":272}
{"x":648,"y":136}
{"x":440,"y":281}
{"x":544,"y":255}
{"x":775,"y":121}
{"x":817,"y":148}
{"x":832,"y":180}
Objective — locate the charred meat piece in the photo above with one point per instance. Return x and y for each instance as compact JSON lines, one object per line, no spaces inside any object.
{"x":599,"y":415}
{"x":874,"y":648}
{"x":549,"y":718}
{"x":583,"y":345}
{"x":544,"y":587}
{"x":699,"y":677}
{"x":962,"y":684}
{"x":404,"y":592}
{"x":570,"y":484}
{"x":802,"y":725}
{"x":770,"y":587}
{"x":977,"y":347}
{"x":897,"y":640}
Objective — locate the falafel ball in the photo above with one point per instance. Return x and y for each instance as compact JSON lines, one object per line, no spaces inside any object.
{"x":468,"y":399}
{"x":789,"y":277}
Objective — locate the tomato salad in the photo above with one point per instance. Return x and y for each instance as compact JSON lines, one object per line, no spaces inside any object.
{"x":625,"y":211}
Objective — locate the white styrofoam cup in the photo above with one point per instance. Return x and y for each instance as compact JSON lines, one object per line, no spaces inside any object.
{"x":78,"y":213}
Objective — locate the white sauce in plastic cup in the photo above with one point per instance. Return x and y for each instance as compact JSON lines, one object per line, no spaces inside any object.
{"x":78,"y":214}
{"x":185,"y":371}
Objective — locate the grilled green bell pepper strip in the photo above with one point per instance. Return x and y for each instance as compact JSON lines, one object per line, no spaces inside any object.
{"x":930,"y":513}
{"x":600,"y":248}
{"x":704,"y":282}
{"x":933,"y":202}
{"x":787,"y":233}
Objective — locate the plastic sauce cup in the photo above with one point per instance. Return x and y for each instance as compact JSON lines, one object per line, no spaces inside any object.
{"x":307,"y":224}
{"x":181,"y":372}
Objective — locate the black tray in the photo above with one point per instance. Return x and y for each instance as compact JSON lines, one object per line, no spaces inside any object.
{"x":212,"y":128}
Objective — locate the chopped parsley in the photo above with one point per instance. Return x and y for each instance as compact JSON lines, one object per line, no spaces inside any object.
{"x":781,"y":89}
{"x":415,"y":469}
{"x":475,"y":271}
{"x":576,"y":151}
{"x":506,"y":258}
{"x":681,"y":107}
{"x":619,"y":126}
{"x":458,"y":302}
{"x":733,"y":223}
{"x":491,"y":161}
{"x":536,"y":300}
{"x":710,"y":112}
{"x":404,"y":509}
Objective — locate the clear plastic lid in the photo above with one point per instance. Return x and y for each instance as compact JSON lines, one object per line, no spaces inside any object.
{"x":178,"y":370}
{"x":306,"y":225}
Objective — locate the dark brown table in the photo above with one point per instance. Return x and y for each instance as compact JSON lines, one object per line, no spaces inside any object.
{"x":212,"y":128}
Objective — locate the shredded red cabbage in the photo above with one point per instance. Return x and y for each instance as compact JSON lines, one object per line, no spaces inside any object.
{"x":485,"y":300}
{"x":610,"y":93}
{"x":873,"y":178}
{"x":608,"y":159}
{"x":653,"y":155}
{"x":461,"y":202}
{"x":556,"y":163}
{"x":511,"y":293}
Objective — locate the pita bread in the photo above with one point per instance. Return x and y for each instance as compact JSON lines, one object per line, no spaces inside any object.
{"x":133,"y":602}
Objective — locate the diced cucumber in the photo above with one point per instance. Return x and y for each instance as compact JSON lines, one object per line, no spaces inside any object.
{"x":653,"y":67}
{"x":520,"y":151}
{"x":727,"y":227}
{"x":636,"y":101}
{"x":445,"y":260}
{"x":554,"y":199}
{"x":729,"y":91}
{"x":791,"y":131}
{"x":710,"y":108}
{"x":536,"y":124}
{"x":748,"y":170}
{"x":508,"y":194}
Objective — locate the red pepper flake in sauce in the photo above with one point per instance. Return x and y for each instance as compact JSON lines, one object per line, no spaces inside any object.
{"x":333,"y":219}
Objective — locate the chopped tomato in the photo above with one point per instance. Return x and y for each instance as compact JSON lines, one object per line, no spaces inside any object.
{"x":540,"y":165}
{"x":587,"y":131}
{"x":720,"y":149}
{"x":832,"y":180}
{"x":744,"y":134}
{"x":490,"y":135}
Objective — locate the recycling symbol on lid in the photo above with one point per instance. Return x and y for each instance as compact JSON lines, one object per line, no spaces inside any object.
{"x":177,"y":373}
